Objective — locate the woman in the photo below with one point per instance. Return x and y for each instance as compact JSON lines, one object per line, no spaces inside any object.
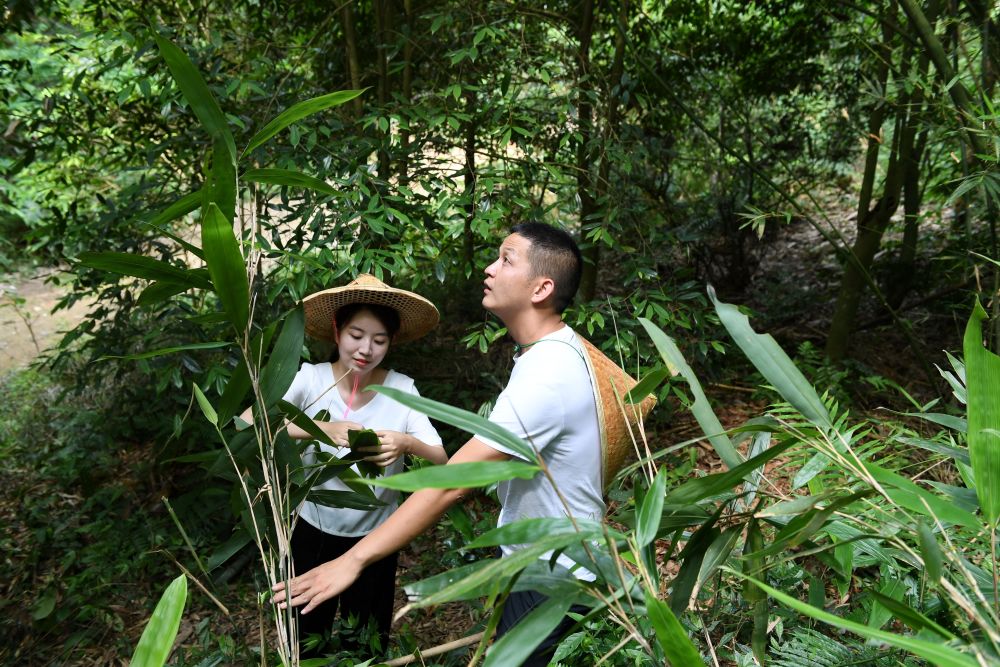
{"x":363,"y":319}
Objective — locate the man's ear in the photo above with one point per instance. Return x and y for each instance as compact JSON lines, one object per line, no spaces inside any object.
{"x":544,"y":289}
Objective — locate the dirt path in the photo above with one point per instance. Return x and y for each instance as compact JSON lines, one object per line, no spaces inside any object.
{"x":27,"y":324}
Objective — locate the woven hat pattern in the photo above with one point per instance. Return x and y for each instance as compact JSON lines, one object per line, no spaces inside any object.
{"x":618,"y":421}
{"x":417,"y":315}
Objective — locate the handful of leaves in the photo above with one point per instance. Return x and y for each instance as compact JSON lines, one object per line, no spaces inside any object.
{"x":363,"y":438}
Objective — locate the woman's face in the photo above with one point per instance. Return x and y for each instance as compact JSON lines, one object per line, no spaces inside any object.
{"x":363,"y":343}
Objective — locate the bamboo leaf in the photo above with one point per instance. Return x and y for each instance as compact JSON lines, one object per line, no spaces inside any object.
{"x":160,"y":291}
{"x":647,"y":523}
{"x":700,"y":488}
{"x":140,"y":266}
{"x":515,"y":646}
{"x":205,"y":405}
{"x":701,"y":408}
{"x":982,"y":374}
{"x":463,"y":419}
{"x":297,"y":112}
{"x":907,"y":494}
{"x":913,"y":618}
{"x":220,"y":181}
{"x":676,"y":645}
{"x":647,"y":385}
{"x":157,"y":638}
{"x":169,"y":350}
{"x":291,"y":178}
{"x":940,"y":655}
{"x":691,"y":558}
{"x":457,"y":475}
{"x":225,"y":265}
{"x":283,"y":364}
{"x":532,"y":530}
{"x":772,"y":362}
{"x":196,"y":92}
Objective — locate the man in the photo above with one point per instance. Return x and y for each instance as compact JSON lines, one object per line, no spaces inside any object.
{"x":548,"y":401}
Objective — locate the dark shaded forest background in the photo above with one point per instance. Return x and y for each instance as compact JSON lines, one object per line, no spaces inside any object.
{"x":831,"y":167}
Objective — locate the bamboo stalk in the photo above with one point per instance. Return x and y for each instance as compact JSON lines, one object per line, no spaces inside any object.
{"x":436,"y":650}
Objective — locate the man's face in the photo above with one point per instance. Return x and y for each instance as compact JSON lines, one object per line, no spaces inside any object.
{"x":509,"y":283}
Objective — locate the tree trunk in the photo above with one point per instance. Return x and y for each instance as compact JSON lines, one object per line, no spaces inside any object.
{"x":383,"y":23}
{"x":866,"y":244}
{"x":584,"y":153}
{"x":470,"y":180}
{"x":353,"y":64}
{"x":404,"y":132}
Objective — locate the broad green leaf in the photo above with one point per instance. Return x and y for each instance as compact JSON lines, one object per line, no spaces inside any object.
{"x":701,"y":408}
{"x":532,"y":530}
{"x":494,"y":576}
{"x":814,"y":466}
{"x":457,"y":475}
{"x":907,"y":494}
{"x":140,"y":266}
{"x":160,"y":291}
{"x":938,"y":654}
{"x":186,"y":204}
{"x":169,"y":350}
{"x":463,"y":419}
{"x":911,"y":617}
{"x":206,"y":406}
{"x":647,"y":522}
{"x":647,"y":385}
{"x":237,"y":541}
{"x":890,"y":591}
{"x":157,"y":638}
{"x":364,"y":438}
{"x":225,"y":264}
{"x":515,"y":646}
{"x":299,"y":111}
{"x":772,"y":362}
{"x":197,"y":94}
{"x":283,"y":364}
{"x":349,"y":499}
{"x":982,"y":375}
{"x":948,"y":421}
{"x":235,"y":392}
{"x":700,"y":488}
{"x":718,"y":553}
{"x":676,"y":645}
{"x":691,"y":558}
{"x":220,"y":181}
{"x":959,"y":455}
{"x":291,"y":178}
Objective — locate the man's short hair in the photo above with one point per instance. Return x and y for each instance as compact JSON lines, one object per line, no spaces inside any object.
{"x":554,"y":254}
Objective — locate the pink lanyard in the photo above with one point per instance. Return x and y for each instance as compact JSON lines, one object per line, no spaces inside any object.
{"x":354,"y":392}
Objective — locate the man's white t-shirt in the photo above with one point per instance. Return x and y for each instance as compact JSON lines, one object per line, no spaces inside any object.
{"x":549,"y":403}
{"x":312,"y":391}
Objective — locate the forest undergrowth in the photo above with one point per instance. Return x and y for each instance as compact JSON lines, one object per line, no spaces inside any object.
{"x":91,"y":538}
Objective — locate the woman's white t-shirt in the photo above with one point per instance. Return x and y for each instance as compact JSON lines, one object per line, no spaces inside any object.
{"x":313,"y":391}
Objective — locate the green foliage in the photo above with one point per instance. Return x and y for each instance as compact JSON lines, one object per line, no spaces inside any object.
{"x":158,"y":636}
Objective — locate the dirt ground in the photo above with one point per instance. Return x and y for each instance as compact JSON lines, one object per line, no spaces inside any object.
{"x":28,"y":326}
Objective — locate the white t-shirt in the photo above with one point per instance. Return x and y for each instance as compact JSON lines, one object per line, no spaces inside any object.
{"x":549,"y":403}
{"x":312,"y":391}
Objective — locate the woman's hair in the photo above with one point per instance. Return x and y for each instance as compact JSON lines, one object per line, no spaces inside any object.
{"x":388,"y":317}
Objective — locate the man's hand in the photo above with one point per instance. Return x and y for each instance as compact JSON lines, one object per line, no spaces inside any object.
{"x":318,"y":584}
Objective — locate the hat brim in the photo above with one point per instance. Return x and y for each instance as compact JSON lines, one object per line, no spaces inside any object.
{"x":417,"y":315}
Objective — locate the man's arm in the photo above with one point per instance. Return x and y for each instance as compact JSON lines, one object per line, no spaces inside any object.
{"x":420,"y":511}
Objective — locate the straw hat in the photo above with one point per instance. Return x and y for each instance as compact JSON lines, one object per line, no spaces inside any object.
{"x":417,"y":315}
{"x":618,"y":420}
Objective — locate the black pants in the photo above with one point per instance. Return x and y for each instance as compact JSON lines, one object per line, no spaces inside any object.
{"x":517,"y":606}
{"x":371,"y":596}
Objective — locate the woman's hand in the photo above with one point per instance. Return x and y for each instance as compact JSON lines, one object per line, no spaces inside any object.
{"x":338,"y":431}
{"x":392,"y":445}
{"x":318,"y":584}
